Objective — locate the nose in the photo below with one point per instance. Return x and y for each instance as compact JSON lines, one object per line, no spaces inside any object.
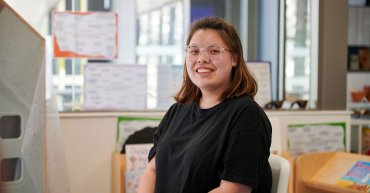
{"x":203,"y":57}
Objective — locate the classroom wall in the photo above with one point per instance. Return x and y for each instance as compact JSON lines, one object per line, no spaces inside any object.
{"x":88,"y":143}
{"x":90,"y":138}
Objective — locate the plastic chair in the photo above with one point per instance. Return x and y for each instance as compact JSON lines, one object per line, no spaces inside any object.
{"x":280,"y":168}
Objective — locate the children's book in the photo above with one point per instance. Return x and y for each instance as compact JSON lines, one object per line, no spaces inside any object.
{"x":357,"y":177}
{"x":136,"y":161}
{"x":137,"y":156}
{"x":132,"y":179}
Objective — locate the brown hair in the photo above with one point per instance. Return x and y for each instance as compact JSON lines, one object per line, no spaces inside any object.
{"x":242,"y":82}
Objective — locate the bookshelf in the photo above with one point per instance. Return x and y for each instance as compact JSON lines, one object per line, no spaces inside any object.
{"x":357,"y":126}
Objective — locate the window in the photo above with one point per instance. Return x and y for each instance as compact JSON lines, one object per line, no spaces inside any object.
{"x":159,"y":42}
{"x":298,"y":57}
{"x":155,"y":32}
{"x":68,"y":67}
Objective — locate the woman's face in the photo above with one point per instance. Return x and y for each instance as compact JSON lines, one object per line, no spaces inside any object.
{"x":209,"y":62}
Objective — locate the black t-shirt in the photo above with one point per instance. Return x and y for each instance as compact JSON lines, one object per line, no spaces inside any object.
{"x":197,"y":148}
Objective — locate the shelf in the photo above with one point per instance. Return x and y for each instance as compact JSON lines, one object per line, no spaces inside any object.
{"x":358,"y":71}
{"x":358,"y":105}
{"x":360,"y":121}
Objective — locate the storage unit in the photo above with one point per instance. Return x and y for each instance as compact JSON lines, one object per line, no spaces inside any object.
{"x":359,"y":134}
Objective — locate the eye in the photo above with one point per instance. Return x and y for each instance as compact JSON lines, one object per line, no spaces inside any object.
{"x":193,"y":50}
{"x":214,"y":50}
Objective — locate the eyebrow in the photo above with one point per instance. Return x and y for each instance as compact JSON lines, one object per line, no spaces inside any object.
{"x":205,"y":46}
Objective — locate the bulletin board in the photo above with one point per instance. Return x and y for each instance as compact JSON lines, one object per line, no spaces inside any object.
{"x":92,"y":35}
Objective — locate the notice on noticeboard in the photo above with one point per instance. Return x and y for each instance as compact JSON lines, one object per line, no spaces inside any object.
{"x":91,"y":35}
{"x":261,"y":72}
{"x":115,"y":87}
{"x":312,"y":138}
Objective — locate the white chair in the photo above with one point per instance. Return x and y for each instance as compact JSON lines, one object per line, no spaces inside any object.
{"x":280,"y":173}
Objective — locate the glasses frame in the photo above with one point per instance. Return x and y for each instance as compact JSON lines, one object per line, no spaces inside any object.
{"x":201,"y":50}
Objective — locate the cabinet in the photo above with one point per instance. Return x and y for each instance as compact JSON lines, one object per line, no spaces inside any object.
{"x":359,"y":138}
{"x":359,"y":38}
{"x":358,"y":75}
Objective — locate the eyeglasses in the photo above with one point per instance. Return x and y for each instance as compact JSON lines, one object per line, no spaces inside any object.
{"x":213,"y":52}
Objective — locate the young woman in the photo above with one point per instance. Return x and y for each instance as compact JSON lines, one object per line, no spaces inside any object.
{"x":216,"y":138}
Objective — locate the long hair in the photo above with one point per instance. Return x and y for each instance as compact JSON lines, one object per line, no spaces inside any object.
{"x":242,"y":82}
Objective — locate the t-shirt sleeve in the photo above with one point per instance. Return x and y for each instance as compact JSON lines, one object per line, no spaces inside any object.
{"x":157,"y":134}
{"x":247,"y":148}
{"x":153,"y":150}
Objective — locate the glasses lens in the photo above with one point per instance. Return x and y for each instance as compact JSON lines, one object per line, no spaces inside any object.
{"x":192,"y":52}
{"x":212,"y":52}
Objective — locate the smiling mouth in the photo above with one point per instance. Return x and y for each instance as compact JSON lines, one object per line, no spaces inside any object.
{"x":204,"y":70}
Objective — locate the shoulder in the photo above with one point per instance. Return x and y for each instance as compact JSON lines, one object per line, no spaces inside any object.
{"x":175,"y":112}
{"x":244,"y":102}
{"x":178,"y":108}
{"x":249,"y":116}
{"x":246,"y":108}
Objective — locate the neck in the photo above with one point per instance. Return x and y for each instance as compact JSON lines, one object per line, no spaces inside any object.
{"x":208,"y":101}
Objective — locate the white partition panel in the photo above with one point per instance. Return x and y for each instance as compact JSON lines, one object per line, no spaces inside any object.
{"x":22,"y":105}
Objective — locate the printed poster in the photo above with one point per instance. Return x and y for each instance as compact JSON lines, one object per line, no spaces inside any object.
{"x":136,"y":161}
{"x":312,"y":138}
{"x":92,"y":35}
{"x":115,"y":87}
{"x":261,"y":72}
{"x":129,"y":125}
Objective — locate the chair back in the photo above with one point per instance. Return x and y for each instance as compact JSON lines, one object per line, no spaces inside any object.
{"x":280,"y":173}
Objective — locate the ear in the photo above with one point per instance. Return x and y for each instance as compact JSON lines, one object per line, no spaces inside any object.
{"x":234,"y":61}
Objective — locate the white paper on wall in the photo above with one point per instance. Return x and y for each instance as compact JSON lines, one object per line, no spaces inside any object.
{"x":85,"y":34}
{"x":129,"y":125}
{"x":312,"y":138}
{"x":115,"y":87}
{"x":261,"y":72}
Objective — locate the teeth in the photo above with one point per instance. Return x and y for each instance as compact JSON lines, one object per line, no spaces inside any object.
{"x":203,"y":70}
